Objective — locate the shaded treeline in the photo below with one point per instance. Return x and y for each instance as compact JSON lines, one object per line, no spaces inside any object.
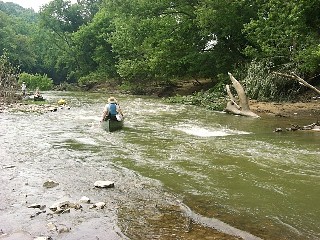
{"x":139,"y":43}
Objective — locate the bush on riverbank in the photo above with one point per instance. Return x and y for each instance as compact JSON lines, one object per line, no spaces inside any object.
{"x":34,"y":81}
{"x":210,"y":100}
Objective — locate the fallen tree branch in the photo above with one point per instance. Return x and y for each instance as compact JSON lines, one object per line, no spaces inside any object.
{"x":232,"y":99}
{"x":243,"y":107}
{"x":299,"y":79}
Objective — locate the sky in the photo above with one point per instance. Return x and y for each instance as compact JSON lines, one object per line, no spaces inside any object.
{"x":35,"y":4}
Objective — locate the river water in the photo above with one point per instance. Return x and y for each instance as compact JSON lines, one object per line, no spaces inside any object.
{"x":229,"y":173}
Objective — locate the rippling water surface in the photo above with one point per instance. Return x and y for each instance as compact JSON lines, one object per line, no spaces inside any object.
{"x":223,"y":167}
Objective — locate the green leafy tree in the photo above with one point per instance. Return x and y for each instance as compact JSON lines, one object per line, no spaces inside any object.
{"x":61,"y":20}
{"x":155,"y":40}
{"x":287,"y":33}
{"x":94,"y":52}
{"x":15,"y":31}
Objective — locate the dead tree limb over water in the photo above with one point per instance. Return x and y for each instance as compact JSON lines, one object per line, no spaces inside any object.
{"x":241,"y":108}
{"x":299,"y":79}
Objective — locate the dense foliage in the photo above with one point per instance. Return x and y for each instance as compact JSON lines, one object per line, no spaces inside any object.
{"x":36,"y":81}
{"x":137,"y":43}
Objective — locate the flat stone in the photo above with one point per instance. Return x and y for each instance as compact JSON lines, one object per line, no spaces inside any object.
{"x":35,"y":205}
{"x":50,"y":184}
{"x":104,"y":184}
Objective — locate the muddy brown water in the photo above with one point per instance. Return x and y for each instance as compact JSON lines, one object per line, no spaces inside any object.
{"x":180,"y":172}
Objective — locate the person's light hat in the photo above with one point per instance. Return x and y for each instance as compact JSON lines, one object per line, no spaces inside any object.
{"x":112,"y":100}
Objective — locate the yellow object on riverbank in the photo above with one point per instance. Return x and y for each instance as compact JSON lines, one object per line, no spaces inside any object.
{"x":61,"y":102}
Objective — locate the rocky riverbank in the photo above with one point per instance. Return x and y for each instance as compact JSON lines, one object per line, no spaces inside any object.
{"x":29,"y":107}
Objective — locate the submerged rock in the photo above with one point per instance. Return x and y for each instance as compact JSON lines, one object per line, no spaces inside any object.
{"x":50,"y":184}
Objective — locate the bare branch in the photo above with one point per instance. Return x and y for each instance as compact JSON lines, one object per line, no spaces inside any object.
{"x":299,"y":79}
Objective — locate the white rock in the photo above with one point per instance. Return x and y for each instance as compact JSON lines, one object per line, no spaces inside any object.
{"x":104,"y":184}
{"x":57,"y":205}
{"x":100,"y":205}
{"x":51,"y":226}
{"x":85,"y":199}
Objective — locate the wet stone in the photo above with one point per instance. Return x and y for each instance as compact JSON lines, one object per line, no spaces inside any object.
{"x":104,"y":184}
{"x":35,"y":205}
{"x":50,"y":184}
{"x":98,"y":205}
{"x":64,"y":230}
{"x":43,"y":238}
{"x":64,"y":207}
{"x":51,"y":226}
{"x":85,"y":199}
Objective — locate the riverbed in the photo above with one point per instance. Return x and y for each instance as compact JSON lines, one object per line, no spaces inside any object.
{"x":180,"y":172}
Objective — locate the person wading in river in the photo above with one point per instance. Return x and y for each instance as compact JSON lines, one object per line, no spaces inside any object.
{"x":24,"y":89}
{"x":111,"y":110}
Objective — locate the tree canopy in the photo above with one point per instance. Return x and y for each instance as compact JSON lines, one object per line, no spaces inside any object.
{"x":142,"y":42}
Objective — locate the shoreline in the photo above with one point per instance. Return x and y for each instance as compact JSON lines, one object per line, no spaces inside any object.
{"x":287,"y":109}
{"x":284,"y":109}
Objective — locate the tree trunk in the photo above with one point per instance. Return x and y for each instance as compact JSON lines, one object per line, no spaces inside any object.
{"x":243,"y":107}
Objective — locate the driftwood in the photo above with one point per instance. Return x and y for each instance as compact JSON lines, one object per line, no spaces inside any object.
{"x":299,"y":79}
{"x":243,"y":107}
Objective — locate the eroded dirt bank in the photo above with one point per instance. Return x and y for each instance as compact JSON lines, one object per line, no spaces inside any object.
{"x":297,"y":109}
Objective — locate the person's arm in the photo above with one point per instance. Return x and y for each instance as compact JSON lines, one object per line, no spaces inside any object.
{"x":105,"y":113}
{"x":119,"y":110}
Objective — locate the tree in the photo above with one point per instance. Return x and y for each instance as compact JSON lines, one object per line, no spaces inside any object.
{"x":155,"y":40}
{"x":94,"y":52}
{"x":62,"y":19}
{"x":15,"y":38}
{"x":287,"y":34}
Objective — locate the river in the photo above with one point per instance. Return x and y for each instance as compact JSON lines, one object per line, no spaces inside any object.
{"x":180,"y":172}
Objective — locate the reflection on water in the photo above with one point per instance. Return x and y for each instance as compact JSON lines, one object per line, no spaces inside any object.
{"x":224,"y":167}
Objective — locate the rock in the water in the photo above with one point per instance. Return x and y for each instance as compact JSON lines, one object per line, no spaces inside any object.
{"x":50,"y":184}
{"x":51,"y":226}
{"x":64,"y":229}
{"x":85,"y":199}
{"x":35,"y":205}
{"x":64,"y":207}
{"x":104,"y":184}
{"x":278,"y":130}
{"x":99,"y":205}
